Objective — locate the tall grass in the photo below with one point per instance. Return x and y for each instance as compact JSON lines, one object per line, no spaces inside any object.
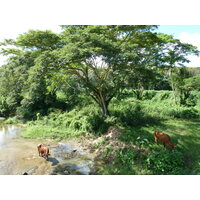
{"x":127,"y":112}
{"x":67,"y":124}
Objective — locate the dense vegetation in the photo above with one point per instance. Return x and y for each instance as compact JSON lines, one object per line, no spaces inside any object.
{"x":88,"y":78}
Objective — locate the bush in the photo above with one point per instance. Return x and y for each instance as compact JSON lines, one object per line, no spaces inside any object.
{"x":148,"y":94}
{"x":68,"y":124}
{"x":132,"y":115}
{"x":162,"y":106}
{"x":166,"y":162}
{"x":163,"y":95}
{"x":128,"y":114}
{"x":97,"y":124}
{"x":12,"y":120}
{"x":119,"y":161}
{"x":2,"y":119}
{"x":125,"y":157}
{"x":192,"y":100}
{"x":4,"y":110}
{"x":185,"y":113}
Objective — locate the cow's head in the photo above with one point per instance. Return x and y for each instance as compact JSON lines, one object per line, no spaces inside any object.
{"x":39,"y":146}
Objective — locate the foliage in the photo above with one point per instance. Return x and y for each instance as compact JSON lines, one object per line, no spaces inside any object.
{"x":166,"y":162}
{"x":98,"y":124}
{"x":132,"y":114}
{"x":99,"y":61}
{"x":128,"y":114}
{"x":37,"y":40}
{"x":2,"y":119}
{"x":125,"y":157}
{"x":193,"y":83}
{"x":68,"y":124}
{"x":162,"y":106}
{"x":3,"y":106}
{"x":96,"y":54}
{"x":149,"y":94}
{"x":13,"y":120}
{"x":123,"y":161}
{"x":53,"y":80}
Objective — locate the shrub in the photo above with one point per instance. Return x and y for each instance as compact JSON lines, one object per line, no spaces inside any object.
{"x":12,"y":120}
{"x":68,"y":124}
{"x":166,"y":162}
{"x":132,"y":114}
{"x":142,"y":141}
{"x":125,"y":157}
{"x":97,"y":124}
{"x":162,"y":95}
{"x":192,"y":99}
{"x":119,"y":161}
{"x":128,"y":114}
{"x":2,"y":119}
{"x":148,"y":94}
{"x":185,"y":113}
{"x":4,"y":110}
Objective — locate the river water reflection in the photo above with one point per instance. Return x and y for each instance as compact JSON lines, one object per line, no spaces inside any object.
{"x":19,"y":155}
{"x":8,"y":132}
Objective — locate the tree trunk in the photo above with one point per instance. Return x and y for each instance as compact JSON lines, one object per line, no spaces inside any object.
{"x":105,"y":111}
{"x":172,"y":84}
{"x":104,"y":106}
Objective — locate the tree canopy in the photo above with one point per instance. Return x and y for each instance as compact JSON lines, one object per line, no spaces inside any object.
{"x":102,"y":60}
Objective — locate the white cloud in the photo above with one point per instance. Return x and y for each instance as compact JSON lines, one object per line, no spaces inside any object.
{"x":194,"y":39}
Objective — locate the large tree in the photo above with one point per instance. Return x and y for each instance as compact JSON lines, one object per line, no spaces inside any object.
{"x":24,"y":77}
{"x":105,"y":57}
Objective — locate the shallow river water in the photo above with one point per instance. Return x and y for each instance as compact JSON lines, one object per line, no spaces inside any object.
{"x":19,"y":155}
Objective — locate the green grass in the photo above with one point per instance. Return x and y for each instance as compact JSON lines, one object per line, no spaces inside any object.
{"x":62,"y":125}
{"x":185,"y":134}
{"x":138,"y":120}
{"x":157,"y":113}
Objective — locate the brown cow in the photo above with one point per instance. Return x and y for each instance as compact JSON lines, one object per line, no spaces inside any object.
{"x":43,"y":150}
{"x":164,"y":138}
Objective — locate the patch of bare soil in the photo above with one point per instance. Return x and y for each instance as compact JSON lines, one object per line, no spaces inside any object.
{"x":110,"y":139}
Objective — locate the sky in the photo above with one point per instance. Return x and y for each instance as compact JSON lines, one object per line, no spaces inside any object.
{"x":186,"y":33}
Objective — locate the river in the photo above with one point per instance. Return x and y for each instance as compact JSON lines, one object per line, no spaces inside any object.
{"x":19,"y":155}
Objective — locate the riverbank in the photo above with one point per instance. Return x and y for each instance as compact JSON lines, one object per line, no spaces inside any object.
{"x":133,"y":150}
{"x":67,"y":157}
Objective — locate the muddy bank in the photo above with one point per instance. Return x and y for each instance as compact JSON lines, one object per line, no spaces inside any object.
{"x":19,"y":155}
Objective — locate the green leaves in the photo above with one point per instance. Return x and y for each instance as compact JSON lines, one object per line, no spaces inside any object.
{"x":102,"y":59}
{"x":192,"y":83}
{"x":166,"y":162}
{"x":38,"y":40}
{"x":174,"y":52}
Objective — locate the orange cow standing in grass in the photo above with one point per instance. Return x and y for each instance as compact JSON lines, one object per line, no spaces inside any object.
{"x":164,"y":138}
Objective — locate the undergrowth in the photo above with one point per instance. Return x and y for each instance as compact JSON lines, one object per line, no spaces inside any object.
{"x":137,"y":119}
{"x":67,"y":124}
